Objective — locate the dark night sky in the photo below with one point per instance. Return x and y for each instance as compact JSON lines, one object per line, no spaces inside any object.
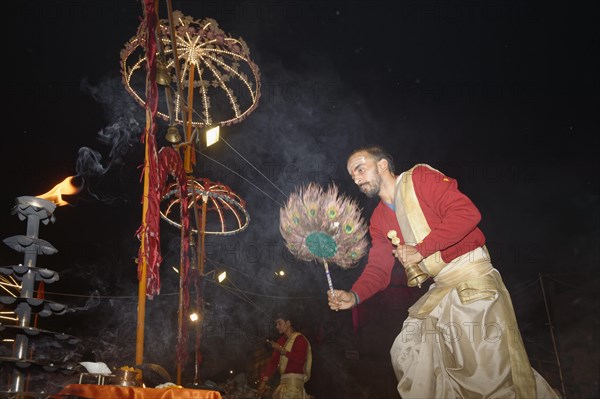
{"x":501,"y":95}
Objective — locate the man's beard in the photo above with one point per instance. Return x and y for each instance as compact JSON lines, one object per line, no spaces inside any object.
{"x":375,"y":186}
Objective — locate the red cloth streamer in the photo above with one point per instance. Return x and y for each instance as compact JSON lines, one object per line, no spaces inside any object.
{"x":160,"y":165}
{"x":170,"y":163}
{"x":149,"y":230}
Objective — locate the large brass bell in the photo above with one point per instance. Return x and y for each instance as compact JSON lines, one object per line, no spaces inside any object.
{"x":173,"y":135}
{"x":162,"y":74}
{"x":415,"y":276}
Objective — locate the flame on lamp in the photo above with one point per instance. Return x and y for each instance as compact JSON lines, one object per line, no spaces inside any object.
{"x":66,"y":187}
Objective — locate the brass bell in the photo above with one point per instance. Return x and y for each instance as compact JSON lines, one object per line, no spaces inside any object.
{"x":173,"y":135}
{"x":415,"y":276}
{"x":162,"y":74}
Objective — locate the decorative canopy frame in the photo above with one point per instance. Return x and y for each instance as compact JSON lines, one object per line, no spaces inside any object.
{"x":214,"y":66}
{"x":218,"y":199}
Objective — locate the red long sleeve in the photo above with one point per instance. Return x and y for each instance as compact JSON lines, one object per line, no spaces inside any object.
{"x":377,"y":273}
{"x":296,"y":357}
{"x":451,"y":215}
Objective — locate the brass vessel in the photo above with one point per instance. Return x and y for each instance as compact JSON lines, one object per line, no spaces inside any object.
{"x":127,"y":378}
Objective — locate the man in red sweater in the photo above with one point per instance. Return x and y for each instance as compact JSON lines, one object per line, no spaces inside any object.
{"x":461,"y":338}
{"x":292,"y":357}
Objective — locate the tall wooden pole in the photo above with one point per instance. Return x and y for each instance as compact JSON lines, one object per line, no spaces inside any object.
{"x":188,"y":155}
{"x":151,"y":15}
{"x":188,"y":167}
{"x":180,"y":322}
{"x":141,"y":315}
{"x":202,"y":234}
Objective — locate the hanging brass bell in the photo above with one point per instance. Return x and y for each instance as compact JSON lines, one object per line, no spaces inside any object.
{"x":415,"y":276}
{"x":162,"y":74}
{"x":173,"y":135}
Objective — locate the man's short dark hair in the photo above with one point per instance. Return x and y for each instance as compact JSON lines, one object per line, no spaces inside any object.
{"x":284,"y":316}
{"x":378,"y":153}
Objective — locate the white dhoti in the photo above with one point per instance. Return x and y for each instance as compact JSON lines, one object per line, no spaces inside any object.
{"x":291,"y":386}
{"x":461,"y":340}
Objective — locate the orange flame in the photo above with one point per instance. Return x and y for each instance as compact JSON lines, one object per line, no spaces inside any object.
{"x":66,"y":187}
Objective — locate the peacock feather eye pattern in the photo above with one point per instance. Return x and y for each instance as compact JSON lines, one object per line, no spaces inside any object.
{"x":323,"y":225}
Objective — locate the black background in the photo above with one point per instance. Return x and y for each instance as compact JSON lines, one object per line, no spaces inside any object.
{"x":501,"y":95}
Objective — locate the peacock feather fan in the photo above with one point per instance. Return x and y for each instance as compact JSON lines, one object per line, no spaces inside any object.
{"x":323,"y":225}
